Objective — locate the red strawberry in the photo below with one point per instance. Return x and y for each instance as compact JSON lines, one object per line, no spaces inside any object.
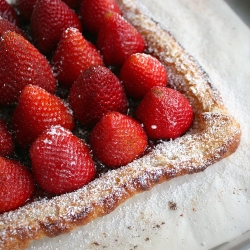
{"x":117,"y":139}
{"x":140,"y":73}
{"x":17,"y":185}
{"x":96,"y":91}
{"x":6,"y":25}
{"x":93,"y":11}
{"x":73,"y":55}
{"x":6,"y":141}
{"x":36,"y":111}
{"x":61,"y":162}
{"x":8,"y":12}
{"x":165,"y":113}
{"x":21,"y":64}
{"x":48,"y":21}
{"x":118,"y":39}
{"x":25,"y":8}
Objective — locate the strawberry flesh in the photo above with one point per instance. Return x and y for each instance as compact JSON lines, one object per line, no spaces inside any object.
{"x":140,"y":72}
{"x":8,"y":12}
{"x":118,"y":39}
{"x":165,"y":113}
{"x":93,"y":11}
{"x":61,"y":162}
{"x":73,"y":55}
{"x":117,"y":139}
{"x":94,"y":93}
{"x":6,"y":25}
{"x":17,"y":185}
{"x":25,"y":8}
{"x":48,"y":21}
{"x":21,"y":64}
{"x":36,"y":111}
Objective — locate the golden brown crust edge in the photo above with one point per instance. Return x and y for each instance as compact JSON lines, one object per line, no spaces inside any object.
{"x":214,"y":135}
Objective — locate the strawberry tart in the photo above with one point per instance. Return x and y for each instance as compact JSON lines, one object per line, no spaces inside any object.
{"x":94,"y":114}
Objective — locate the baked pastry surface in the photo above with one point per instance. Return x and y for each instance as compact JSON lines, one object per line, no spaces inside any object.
{"x":214,"y":135}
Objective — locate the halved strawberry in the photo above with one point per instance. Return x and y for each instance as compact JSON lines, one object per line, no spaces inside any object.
{"x":118,"y":39}
{"x":48,"y":21}
{"x":8,"y":12}
{"x":73,"y":55}
{"x":93,"y":11}
{"x":165,"y":113}
{"x":6,"y":141}
{"x":17,"y":184}
{"x":140,"y":72}
{"x":117,"y":139}
{"x":21,"y":64}
{"x":36,"y":111}
{"x":25,"y":8}
{"x":95,"y":92}
{"x":6,"y":25}
{"x":61,"y":162}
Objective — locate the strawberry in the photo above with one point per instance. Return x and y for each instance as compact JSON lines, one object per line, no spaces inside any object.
{"x":140,"y":72}
{"x":8,"y":12}
{"x":6,"y":141}
{"x":117,"y":39}
{"x":21,"y":64}
{"x":73,"y":55}
{"x":96,"y":91}
{"x":61,"y":162}
{"x":25,"y":8}
{"x":93,"y":11}
{"x":17,"y":185}
{"x":6,"y":25}
{"x":36,"y":111}
{"x":48,"y":21}
{"x":165,"y":113}
{"x":117,"y":139}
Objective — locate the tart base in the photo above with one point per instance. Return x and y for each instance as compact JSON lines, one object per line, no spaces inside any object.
{"x":213,"y":126}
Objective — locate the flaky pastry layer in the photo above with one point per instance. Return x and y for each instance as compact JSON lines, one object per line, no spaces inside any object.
{"x":215,"y":134}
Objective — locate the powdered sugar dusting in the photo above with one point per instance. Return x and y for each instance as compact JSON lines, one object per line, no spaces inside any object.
{"x":169,"y":159}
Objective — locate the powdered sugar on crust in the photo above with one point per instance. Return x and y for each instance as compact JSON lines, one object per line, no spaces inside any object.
{"x":214,"y":135}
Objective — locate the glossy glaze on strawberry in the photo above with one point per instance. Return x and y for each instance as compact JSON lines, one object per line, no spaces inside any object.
{"x":61,"y":162}
{"x":94,"y":93}
{"x":118,"y":39}
{"x":6,"y":25}
{"x":36,"y":111}
{"x":21,"y":64}
{"x":117,"y":140}
{"x":25,"y":8}
{"x":48,"y":21}
{"x":17,"y":184}
{"x":165,"y":113}
{"x":8,"y":12}
{"x":140,"y":72}
{"x":92,"y":13}
{"x":73,"y":55}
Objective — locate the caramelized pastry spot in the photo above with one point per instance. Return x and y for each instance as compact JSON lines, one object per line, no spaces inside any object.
{"x":172,"y":205}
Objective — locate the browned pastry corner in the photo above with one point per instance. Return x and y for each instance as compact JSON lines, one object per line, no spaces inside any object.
{"x":215,"y":134}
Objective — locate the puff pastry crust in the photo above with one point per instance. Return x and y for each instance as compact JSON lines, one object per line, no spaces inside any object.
{"x":215,"y":134}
